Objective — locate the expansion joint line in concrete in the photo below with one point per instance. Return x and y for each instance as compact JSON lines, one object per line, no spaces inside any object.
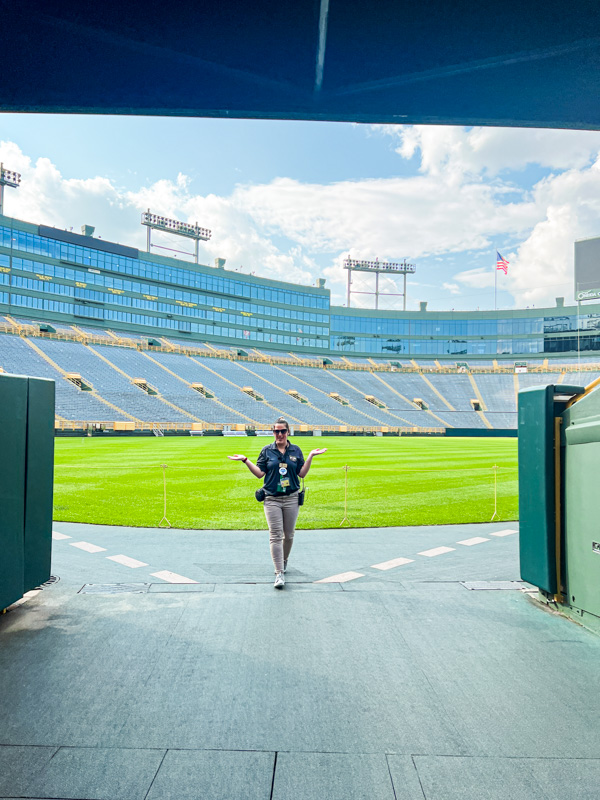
{"x":412,"y":758}
{"x":273,"y":778}
{"x":155,"y":774}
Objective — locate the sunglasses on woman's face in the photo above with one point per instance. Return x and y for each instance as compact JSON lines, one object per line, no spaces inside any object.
{"x":280,"y":431}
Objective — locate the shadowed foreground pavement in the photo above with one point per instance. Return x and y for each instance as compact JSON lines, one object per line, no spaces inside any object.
{"x":401,"y":684}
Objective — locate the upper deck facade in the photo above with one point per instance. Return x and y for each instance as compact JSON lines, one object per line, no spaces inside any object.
{"x":55,"y":275}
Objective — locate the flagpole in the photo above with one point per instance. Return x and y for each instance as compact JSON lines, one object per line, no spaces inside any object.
{"x":501,"y":263}
{"x":495,"y":286}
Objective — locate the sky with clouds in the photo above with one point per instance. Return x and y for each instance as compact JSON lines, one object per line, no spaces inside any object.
{"x":291,"y":200}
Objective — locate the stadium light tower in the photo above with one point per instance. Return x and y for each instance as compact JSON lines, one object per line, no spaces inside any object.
{"x":158,"y":223}
{"x":378,"y":267}
{"x":7,"y":178}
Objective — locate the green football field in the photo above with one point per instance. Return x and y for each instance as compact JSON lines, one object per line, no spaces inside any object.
{"x":390,"y":481}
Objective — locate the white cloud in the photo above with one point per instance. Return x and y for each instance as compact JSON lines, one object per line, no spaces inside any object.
{"x":543,"y":266}
{"x":478,"y":278}
{"x":453,"y":288}
{"x":387,"y":218}
{"x":458,"y":205}
{"x":44,"y":196}
{"x":462,"y":151}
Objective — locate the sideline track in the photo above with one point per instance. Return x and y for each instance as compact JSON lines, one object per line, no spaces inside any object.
{"x":406,"y":683}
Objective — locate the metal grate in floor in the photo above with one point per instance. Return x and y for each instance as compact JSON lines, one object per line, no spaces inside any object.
{"x":479,"y":586}
{"x":51,"y":580}
{"x":114,"y":588}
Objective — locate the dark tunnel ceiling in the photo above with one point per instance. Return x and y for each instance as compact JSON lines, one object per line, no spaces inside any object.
{"x":431,"y":61}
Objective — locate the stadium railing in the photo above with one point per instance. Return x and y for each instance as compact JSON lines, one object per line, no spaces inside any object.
{"x":32,"y":329}
{"x":112,"y":426}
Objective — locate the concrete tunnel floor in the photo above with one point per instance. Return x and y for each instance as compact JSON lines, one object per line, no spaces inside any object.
{"x":421,"y":670}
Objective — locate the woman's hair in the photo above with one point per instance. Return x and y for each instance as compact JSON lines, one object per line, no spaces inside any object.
{"x":282,"y":421}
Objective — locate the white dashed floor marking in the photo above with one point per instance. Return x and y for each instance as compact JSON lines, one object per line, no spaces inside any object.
{"x":474,"y":540}
{"x":128,"y":562}
{"x":342,"y":577}
{"x":437,"y":551}
{"x":172,"y":577}
{"x":395,"y":562}
{"x":89,"y":548}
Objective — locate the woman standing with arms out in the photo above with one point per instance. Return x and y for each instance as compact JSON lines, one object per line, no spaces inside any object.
{"x":281,"y":464}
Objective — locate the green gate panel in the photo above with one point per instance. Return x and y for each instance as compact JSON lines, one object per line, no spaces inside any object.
{"x":13,"y":430}
{"x":582,"y":503}
{"x":537,"y":529}
{"x":538,"y":408}
{"x":39,"y":482}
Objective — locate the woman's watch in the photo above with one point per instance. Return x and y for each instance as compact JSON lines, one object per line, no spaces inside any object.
{"x":244,"y":460}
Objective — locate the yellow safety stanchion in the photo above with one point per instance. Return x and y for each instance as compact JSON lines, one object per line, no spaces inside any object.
{"x":495,"y":514}
{"x":346,"y":468}
{"x":164,"y":519}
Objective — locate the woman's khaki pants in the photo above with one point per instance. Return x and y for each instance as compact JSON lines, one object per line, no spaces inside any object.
{"x":281,"y":513}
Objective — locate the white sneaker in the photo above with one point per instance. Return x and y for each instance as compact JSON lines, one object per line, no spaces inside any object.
{"x":285,"y":565}
{"x":279,"y":580}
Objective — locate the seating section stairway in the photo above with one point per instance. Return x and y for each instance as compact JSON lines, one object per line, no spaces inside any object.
{"x":163,"y":387}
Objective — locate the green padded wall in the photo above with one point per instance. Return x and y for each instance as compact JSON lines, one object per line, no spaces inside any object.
{"x":539,"y":406}
{"x":537,"y":546}
{"x":13,"y":431}
{"x":39,"y":482}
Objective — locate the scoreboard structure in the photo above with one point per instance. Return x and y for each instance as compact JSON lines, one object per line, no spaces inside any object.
{"x":587,"y":269}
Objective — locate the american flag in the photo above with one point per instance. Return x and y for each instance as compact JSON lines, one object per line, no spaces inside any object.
{"x":501,"y":263}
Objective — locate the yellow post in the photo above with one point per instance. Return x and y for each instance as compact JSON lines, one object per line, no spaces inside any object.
{"x":164,"y":519}
{"x":495,"y":514}
{"x":557,"y":508}
{"x":346,"y":468}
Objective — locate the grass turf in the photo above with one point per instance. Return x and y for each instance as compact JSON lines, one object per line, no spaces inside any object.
{"x":391,"y":481}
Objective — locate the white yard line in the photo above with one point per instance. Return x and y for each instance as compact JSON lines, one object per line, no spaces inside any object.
{"x":507,"y":532}
{"x":127,"y":562}
{"x":59,"y":536}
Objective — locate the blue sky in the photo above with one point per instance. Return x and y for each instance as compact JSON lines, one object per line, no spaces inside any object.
{"x":217,"y":154}
{"x":289,"y":200}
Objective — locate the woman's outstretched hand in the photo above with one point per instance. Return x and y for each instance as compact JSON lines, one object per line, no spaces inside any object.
{"x":318,"y":451}
{"x":237,"y":457}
